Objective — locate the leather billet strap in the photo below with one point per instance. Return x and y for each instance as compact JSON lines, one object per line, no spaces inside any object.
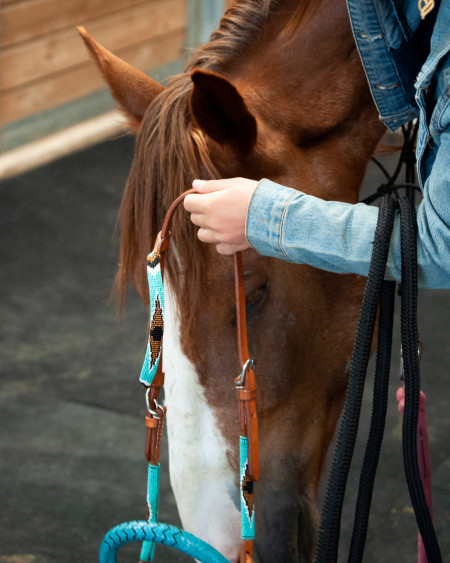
{"x":154,"y":422}
{"x":246,"y":552}
{"x":246,"y":387}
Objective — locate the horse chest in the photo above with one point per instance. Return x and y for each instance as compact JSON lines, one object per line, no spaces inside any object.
{"x":201,"y":477}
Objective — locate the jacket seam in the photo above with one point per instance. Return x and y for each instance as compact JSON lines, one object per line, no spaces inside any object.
{"x":247,"y":216}
{"x":280,"y":228}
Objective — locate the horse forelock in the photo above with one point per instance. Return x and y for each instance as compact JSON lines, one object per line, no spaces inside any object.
{"x":167,"y":158}
{"x":171,"y":152}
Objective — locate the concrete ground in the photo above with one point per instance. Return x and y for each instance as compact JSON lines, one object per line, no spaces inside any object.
{"x":71,"y":410}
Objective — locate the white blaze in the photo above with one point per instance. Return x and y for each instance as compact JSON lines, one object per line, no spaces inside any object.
{"x":201,"y":477}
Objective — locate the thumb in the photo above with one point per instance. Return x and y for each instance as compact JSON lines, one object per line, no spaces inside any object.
{"x":207,"y":186}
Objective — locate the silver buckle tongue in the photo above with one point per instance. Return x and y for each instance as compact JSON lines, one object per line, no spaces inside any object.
{"x":249,"y":364}
{"x":155,"y":413}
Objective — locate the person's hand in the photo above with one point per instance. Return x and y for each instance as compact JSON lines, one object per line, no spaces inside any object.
{"x":219,"y":208}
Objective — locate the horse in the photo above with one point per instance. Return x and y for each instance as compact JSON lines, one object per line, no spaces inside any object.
{"x":279,"y":91}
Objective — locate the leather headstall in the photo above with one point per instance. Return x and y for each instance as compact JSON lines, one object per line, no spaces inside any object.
{"x":245,"y":382}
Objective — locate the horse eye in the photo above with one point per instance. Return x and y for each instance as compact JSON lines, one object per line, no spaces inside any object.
{"x":306,"y":139}
{"x":255,"y":300}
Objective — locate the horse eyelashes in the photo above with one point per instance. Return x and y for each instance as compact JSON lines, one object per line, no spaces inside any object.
{"x":256,"y":299}
{"x":254,"y":302}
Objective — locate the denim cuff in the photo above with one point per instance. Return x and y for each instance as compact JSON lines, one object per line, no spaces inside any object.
{"x":265,"y":216}
{"x":288,"y":224}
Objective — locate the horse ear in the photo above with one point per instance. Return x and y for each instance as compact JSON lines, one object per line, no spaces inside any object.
{"x":131,"y":88}
{"x":220,"y":111}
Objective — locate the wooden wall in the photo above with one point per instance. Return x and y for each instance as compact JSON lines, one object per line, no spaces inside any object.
{"x":44,"y":63}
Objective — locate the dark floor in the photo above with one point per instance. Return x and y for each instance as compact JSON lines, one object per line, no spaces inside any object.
{"x":71,"y":462}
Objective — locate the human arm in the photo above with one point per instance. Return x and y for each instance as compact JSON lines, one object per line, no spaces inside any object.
{"x":284,"y":223}
{"x":338,"y":237}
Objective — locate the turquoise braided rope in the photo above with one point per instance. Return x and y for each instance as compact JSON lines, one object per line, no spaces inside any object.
{"x":158,"y":533}
{"x":148,"y":547}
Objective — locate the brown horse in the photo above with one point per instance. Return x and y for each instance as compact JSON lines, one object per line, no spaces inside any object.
{"x":278,"y":92}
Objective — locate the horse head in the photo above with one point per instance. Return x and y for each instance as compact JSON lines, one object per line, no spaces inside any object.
{"x":278,"y":92}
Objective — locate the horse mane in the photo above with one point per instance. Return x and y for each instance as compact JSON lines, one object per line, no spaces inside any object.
{"x":171,"y":152}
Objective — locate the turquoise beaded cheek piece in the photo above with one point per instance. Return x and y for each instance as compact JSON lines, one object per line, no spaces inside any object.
{"x":156,"y":325}
{"x":246,"y":493}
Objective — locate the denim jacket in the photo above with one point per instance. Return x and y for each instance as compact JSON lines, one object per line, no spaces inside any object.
{"x":338,"y":237}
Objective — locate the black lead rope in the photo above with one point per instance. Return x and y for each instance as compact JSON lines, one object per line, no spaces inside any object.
{"x":409,"y":336}
{"x":381,"y":292}
{"x":331,"y":513}
{"x":377,"y":423}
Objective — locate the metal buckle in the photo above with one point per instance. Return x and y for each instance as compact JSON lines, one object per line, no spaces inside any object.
{"x":249,"y":364}
{"x":158,"y":408}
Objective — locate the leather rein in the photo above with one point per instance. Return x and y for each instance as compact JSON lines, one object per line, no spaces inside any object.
{"x":245,"y":386}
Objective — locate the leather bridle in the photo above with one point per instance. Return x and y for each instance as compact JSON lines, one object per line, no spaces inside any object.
{"x":245,"y":383}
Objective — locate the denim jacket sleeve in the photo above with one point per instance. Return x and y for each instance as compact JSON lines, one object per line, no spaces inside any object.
{"x":338,"y":237}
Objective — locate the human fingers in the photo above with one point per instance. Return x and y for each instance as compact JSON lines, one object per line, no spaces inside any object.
{"x":206,"y":186}
{"x":225,"y":248}
{"x":198,"y":219}
{"x":206,"y":235}
{"x":193,"y":203}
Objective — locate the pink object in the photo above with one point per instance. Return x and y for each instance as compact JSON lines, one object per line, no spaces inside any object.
{"x":423,"y":455}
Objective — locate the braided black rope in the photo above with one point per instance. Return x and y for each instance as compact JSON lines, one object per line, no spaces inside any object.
{"x":331,"y":514}
{"x":330,"y":526}
{"x":377,"y":423}
{"x":409,"y":335}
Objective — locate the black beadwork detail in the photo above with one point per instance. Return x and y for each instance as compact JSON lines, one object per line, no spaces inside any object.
{"x":156,"y":332}
{"x":247,"y":491}
{"x":154,"y":261}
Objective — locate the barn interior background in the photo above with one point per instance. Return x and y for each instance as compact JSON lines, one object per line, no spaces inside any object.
{"x":49,"y":84}
{"x":71,"y":412}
